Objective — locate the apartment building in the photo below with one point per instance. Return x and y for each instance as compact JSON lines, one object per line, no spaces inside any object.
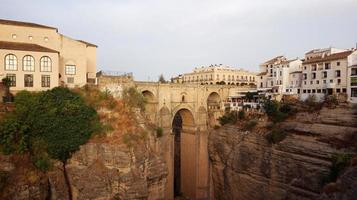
{"x":218,"y":74}
{"x":279,"y":76}
{"x":352,"y":77}
{"x":324,"y":73}
{"x":37,"y":57}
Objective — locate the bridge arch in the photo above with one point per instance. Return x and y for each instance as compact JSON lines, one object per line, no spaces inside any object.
{"x":183,"y":128}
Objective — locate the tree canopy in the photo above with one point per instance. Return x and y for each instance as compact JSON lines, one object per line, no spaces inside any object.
{"x":56,"y":121}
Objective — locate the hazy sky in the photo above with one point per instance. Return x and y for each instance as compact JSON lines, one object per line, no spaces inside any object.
{"x":150,"y":37}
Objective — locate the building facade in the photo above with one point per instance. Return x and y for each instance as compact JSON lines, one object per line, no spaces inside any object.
{"x":324,"y":73}
{"x":37,"y":57}
{"x":352,"y":77}
{"x":218,"y":74}
{"x":279,"y":76}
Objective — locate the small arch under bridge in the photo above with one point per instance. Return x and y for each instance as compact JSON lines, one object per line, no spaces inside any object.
{"x":185,"y":112}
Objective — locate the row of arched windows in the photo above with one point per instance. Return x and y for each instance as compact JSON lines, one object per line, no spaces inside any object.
{"x":28,"y":63}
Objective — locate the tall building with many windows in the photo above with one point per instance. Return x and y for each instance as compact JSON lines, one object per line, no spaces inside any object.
{"x":280,"y":76}
{"x":37,"y":57}
{"x":218,"y":74}
{"x":324,"y":73}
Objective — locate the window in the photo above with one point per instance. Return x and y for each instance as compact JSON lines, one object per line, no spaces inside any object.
{"x":28,"y":63}
{"x":318,"y":90}
{"x":327,"y":66}
{"x":311,"y":82}
{"x":14,"y":36}
{"x":313,"y":91}
{"x":304,"y":76}
{"x":309,"y":91}
{"x":45,"y":81}
{"x":331,"y":80}
{"x":344,"y":90}
{"x":317,"y":82}
{"x":313,"y":68}
{"x":30,"y":37}
{"x":323,"y":90}
{"x":46,"y":39}
{"x":339,"y":81}
{"x":353,"y":71}
{"x":353,"y":92}
{"x":304,"y":82}
{"x":281,"y":73}
{"x":324,"y":81}
{"x":338,"y":63}
{"x":304,"y":91}
{"x":70,"y":79}
{"x":45,"y":64}
{"x":304,"y":67}
{"x":338,"y":73}
{"x":324,"y":74}
{"x":313,"y":75}
{"x":12,"y":78}
{"x":28,"y":80}
{"x":71,"y":70}
{"x":10,"y":62}
{"x":338,"y":90}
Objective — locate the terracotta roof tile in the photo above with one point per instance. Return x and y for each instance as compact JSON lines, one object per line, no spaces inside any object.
{"x":25,"y":47}
{"x":335,"y":56}
{"x":27,"y":24}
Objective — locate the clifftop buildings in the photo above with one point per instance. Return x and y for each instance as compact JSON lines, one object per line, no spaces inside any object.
{"x":38,"y":57}
{"x":218,"y":74}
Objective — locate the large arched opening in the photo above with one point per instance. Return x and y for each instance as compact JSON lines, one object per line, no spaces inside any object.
{"x":150,"y":106}
{"x":213,"y":108}
{"x":183,"y":128}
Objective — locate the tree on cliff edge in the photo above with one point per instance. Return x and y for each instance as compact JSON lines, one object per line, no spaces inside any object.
{"x":51,"y":124}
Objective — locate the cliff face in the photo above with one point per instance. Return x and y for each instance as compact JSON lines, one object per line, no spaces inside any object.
{"x":246,"y":166}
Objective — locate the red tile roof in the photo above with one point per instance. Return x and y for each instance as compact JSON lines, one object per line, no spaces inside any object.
{"x":262,"y":74}
{"x":27,"y":24}
{"x":25,"y":47}
{"x":335,"y":56}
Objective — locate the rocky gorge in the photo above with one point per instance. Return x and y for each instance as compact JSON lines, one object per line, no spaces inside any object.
{"x":244,"y":165}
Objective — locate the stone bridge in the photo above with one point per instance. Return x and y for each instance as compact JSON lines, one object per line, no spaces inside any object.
{"x":185,"y":112}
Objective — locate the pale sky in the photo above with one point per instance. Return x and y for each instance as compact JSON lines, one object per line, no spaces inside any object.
{"x":150,"y":37}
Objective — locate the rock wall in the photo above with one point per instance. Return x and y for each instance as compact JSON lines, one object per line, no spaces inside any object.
{"x":244,"y":166}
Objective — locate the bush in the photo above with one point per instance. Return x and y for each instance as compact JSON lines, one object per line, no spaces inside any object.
{"x":133,"y":98}
{"x":228,"y":118}
{"x":248,"y":126}
{"x":339,"y":162}
{"x":279,"y":117}
{"x":275,"y":136}
{"x":312,"y":103}
{"x":159,"y":132}
{"x":331,"y":101}
{"x":241,"y":115}
{"x":271,"y":107}
{"x":216,"y":127}
{"x":4,"y":176}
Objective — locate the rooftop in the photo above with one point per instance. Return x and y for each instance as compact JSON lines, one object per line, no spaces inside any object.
{"x":335,"y":56}
{"x":27,"y":24}
{"x":274,"y":60}
{"x":25,"y":47}
{"x":87,"y":43}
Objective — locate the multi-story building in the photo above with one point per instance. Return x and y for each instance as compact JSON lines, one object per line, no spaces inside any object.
{"x":324,"y":73}
{"x":37,"y":57}
{"x":279,"y":76}
{"x":219,"y":74}
{"x":352,"y":77}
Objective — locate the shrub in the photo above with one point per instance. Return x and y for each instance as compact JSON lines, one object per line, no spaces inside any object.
{"x":241,"y":114}
{"x":312,"y":103}
{"x":279,"y":117}
{"x":4,"y":176}
{"x":339,"y":162}
{"x":248,"y":126}
{"x":331,"y":100}
{"x":159,"y":132}
{"x":228,"y":118}
{"x":271,"y":107}
{"x":133,"y":98}
{"x":216,"y":127}
{"x":275,"y":136}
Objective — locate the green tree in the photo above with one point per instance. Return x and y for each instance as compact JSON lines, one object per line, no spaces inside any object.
{"x":7,"y":83}
{"x":162,"y":79}
{"x":51,"y":124}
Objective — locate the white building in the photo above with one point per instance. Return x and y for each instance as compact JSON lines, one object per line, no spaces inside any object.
{"x":276,"y":75}
{"x":352,"y":77}
{"x":325,"y":73}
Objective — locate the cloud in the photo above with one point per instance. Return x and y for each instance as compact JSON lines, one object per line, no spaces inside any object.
{"x":150,"y":37}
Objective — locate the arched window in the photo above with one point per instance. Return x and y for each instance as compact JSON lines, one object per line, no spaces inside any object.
{"x":28,"y":63}
{"x":45,"y":64}
{"x":10,"y":62}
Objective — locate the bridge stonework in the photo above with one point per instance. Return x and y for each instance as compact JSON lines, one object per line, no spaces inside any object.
{"x":199,"y":106}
